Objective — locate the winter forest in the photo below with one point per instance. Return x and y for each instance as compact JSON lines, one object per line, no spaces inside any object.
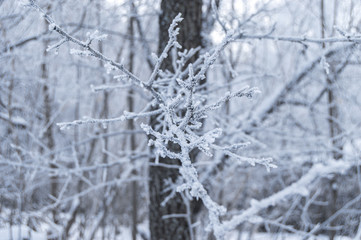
{"x":180,"y":119}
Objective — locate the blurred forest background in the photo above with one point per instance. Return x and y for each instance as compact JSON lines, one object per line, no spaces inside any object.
{"x":89,"y":179}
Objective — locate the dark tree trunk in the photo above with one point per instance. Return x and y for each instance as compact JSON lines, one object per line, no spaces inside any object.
{"x":189,"y":37}
{"x":131,"y":126}
{"x":190,"y":28}
{"x":335,"y":131}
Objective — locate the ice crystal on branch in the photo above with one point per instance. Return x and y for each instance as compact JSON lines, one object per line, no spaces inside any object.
{"x":176,"y":100}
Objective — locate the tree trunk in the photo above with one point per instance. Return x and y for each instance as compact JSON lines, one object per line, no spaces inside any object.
{"x":48,"y":136}
{"x":189,"y":37}
{"x":334,"y":129}
{"x":131,"y":125}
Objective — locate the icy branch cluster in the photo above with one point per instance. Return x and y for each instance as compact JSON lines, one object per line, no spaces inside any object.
{"x":178,"y":104}
{"x":180,"y":108}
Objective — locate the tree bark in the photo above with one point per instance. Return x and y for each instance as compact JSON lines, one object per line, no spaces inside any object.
{"x":189,"y":37}
{"x":334,"y":129}
{"x":190,"y":28}
{"x":48,"y":136}
{"x":131,"y":125}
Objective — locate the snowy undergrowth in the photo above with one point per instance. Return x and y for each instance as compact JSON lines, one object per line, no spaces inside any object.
{"x":125,"y":233}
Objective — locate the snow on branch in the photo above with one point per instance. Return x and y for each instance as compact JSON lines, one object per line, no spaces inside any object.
{"x":64,"y":125}
{"x":57,"y":45}
{"x":87,"y":48}
{"x":107,"y":87}
{"x":173,"y":32}
{"x":245,"y":92}
{"x":300,"y":187}
{"x":14,"y":120}
{"x":304,"y":39}
{"x":95,"y":36}
{"x":126,"y":116}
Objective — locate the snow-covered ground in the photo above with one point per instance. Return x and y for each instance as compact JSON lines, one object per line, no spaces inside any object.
{"x":125,"y":233}
{"x":285,"y":236}
{"x":20,"y":233}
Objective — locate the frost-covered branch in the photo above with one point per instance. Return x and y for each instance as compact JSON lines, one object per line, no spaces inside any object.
{"x":300,"y":187}
{"x":125,"y":116}
{"x":245,"y":92}
{"x":107,"y":87}
{"x":305,"y":39}
{"x":175,"y":97}
{"x":276,"y":99}
{"x":173,"y":32}
{"x":90,"y":51}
